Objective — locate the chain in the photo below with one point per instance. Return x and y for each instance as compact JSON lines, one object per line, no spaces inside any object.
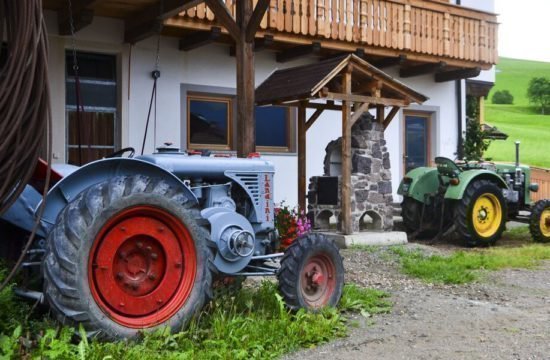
{"x":157,"y":60}
{"x":73,"y":38}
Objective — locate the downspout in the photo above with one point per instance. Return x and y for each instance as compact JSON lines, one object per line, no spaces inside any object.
{"x":460,"y":140}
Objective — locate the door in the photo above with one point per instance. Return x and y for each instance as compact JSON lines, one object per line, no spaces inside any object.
{"x":92,"y":133}
{"x":417,"y":140}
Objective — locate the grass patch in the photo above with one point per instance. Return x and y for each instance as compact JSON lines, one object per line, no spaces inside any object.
{"x":520,"y":121}
{"x":518,"y":233}
{"x":463,"y":267}
{"x":254,"y":324}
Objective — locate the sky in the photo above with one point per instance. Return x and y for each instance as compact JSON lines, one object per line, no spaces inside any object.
{"x":524,"y":31}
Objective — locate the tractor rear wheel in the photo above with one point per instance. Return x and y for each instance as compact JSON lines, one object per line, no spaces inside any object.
{"x":311,"y":274}
{"x":411,"y":211}
{"x":125,"y":255}
{"x":480,"y":216}
{"x":539,"y":225}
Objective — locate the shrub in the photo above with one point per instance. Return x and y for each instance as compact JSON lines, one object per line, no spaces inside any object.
{"x":502,"y":97}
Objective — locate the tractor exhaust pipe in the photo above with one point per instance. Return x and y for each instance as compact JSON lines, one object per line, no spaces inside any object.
{"x":517,"y":153}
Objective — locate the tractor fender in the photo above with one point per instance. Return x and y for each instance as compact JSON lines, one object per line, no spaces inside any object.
{"x":423,"y":180}
{"x":455,"y":192}
{"x":67,"y":189}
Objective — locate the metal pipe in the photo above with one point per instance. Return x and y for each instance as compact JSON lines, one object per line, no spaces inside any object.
{"x":270,"y":256}
{"x":29,"y":294}
{"x":517,"y":153}
{"x":255,"y":274}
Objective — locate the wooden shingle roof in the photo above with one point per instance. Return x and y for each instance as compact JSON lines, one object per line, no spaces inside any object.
{"x":306,"y":82}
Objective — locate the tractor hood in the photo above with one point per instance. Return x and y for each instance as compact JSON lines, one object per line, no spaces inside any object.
{"x":204,"y":167}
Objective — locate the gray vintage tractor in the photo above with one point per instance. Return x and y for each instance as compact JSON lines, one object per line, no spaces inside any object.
{"x":127,"y":244}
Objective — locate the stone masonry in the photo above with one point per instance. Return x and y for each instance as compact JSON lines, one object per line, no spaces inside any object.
{"x":371,"y":180}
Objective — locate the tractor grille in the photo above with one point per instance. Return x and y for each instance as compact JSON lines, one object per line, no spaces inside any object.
{"x":251,"y":182}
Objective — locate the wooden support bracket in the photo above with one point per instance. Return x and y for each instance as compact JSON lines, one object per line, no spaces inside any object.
{"x":199,"y":38}
{"x":422,"y":69}
{"x":358,"y":112}
{"x":390,"y":116}
{"x":457,"y":74}
{"x":298,"y":51}
{"x":313,"y":118}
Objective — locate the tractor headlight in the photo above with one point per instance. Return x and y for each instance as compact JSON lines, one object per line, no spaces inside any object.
{"x":534,"y":187}
{"x":406,"y":186}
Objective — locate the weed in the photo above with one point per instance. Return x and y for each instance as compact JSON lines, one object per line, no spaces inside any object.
{"x":463,"y":267}
{"x":253,"y":324}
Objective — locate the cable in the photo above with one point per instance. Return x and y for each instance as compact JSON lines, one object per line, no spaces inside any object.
{"x":25,"y":117}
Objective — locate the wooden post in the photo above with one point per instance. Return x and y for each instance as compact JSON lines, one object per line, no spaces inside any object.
{"x":302,"y":157}
{"x":407,"y":29}
{"x":246,"y":125}
{"x":347,"y":224}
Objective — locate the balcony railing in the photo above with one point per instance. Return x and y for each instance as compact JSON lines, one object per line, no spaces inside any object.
{"x":422,"y":27}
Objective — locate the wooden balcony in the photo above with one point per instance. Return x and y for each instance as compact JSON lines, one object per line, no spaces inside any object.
{"x":432,"y":31}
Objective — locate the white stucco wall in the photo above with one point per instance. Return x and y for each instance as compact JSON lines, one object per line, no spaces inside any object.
{"x":212,"y":66}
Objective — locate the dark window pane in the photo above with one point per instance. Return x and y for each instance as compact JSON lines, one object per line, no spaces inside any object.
{"x":94,"y":94}
{"x":272,"y":126}
{"x":416,"y":128}
{"x":208,"y":122}
{"x":92,"y":66}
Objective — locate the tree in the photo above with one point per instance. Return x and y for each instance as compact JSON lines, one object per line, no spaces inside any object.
{"x":502,"y":97}
{"x":475,"y":143}
{"x":538,"y":92}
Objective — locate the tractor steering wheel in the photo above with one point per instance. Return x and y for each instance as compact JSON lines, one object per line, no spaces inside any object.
{"x":120,"y":152}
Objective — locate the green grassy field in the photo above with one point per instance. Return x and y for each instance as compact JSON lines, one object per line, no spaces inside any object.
{"x":520,"y":121}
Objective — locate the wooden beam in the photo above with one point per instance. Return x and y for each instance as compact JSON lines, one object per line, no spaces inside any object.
{"x":328,"y":106}
{"x":256,"y":19}
{"x":246,"y":124}
{"x":390,"y":61}
{"x":82,"y":15}
{"x":390,"y":116}
{"x":347,"y":221}
{"x":148,"y":21}
{"x":358,"y":112}
{"x":364,"y":99}
{"x":457,"y":74}
{"x":422,"y":69}
{"x":298,"y":51}
{"x":302,"y":157}
{"x":380,"y":110}
{"x":199,"y":38}
{"x":259,"y":44}
{"x":313,"y":118}
{"x":223,"y":15}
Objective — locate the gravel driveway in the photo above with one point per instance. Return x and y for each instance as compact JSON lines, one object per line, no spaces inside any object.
{"x":504,"y":316}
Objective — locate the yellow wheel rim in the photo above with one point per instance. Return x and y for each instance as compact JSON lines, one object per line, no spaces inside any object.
{"x":487,"y":215}
{"x":545,"y":223}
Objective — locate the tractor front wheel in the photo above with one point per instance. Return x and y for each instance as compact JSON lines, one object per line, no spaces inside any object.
{"x":125,"y":255}
{"x":311,"y":274}
{"x":539,"y":226}
{"x":480,"y":216}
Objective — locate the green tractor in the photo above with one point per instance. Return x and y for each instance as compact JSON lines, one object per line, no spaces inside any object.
{"x":472,"y":200}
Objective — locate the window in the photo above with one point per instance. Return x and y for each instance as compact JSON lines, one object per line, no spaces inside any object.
{"x":92,"y":135}
{"x":273,"y":128}
{"x":209,"y":122}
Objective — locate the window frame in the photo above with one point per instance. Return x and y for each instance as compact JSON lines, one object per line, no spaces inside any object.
{"x":212,"y":98}
{"x":428,"y":118}
{"x":290,"y":133}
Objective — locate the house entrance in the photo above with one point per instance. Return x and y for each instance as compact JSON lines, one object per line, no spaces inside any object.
{"x":417,"y":140}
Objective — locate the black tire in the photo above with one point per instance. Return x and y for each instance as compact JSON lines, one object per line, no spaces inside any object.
{"x":305,"y":252}
{"x":539,"y":224}
{"x":66,"y":266}
{"x":411,"y":211}
{"x":463,"y":213}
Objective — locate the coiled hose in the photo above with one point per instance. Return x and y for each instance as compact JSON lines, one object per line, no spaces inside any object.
{"x":25,"y":118}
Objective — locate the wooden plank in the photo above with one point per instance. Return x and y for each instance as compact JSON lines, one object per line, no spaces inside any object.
{"x":201,"y":11}
{"x":407,"y":30}
{"x":302,"y":157}
{"x":255,"y":19}
{"x":363,"y":24}
{"x":364,"y":99}
{"x":288,"y":15}
{"x":358,"y":112}
{"x":296,"y":16}
{"x":199,"y":38}
{"x":370,"y":22}
{"x":390,"y":116}
{"x":281,"y":6}
{"x":341,"y":20}
{"x":376,"y":22}
{"x":314,"y":118}
{"x":349,"y":21}
{"x":356,"y":21}
{"x":273,"y":14}
{"x":347,"y":221}
{"x":303,"y":17}
{"x":224,"y":17}
{"x":321,"y":17}
{"x":457,"y":74}
{"x":312,"y":18}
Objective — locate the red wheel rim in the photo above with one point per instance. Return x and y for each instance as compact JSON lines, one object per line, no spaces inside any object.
{"x":318,"y":281}
{"x":142,"y":266}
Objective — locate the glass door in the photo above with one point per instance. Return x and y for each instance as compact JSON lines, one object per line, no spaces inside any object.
{"x":417,"y":141}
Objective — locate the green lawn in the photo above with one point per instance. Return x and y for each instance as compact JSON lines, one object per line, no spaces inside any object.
{"x":520,"y":121}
